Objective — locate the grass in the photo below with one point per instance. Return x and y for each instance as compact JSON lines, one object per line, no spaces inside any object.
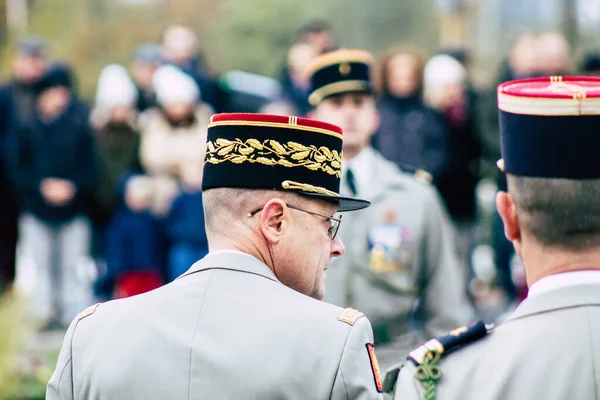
{"x":23,"y":374}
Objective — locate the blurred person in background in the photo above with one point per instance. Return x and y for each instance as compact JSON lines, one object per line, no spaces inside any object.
{"x":400,"y":268}
{"x":523,"y":62}
{"x":280,"y":107}
{"x":147,"y":59}
{"x":54,"y":166}
{"x":180,"y":48}
{"x":445,"y":90}
{"x":294,"y":82}
{"x":410,"y":134}
{"x":185,"y":222}
{"x":554,"y":55}
{"x":318,"y":33}
{"x":173,"y":131}
{"x":133,"y":237}
{"x":590,"y":65}
{"x":315,"y":37}
{"x":114,"y":119}
{"x":17,"y":105}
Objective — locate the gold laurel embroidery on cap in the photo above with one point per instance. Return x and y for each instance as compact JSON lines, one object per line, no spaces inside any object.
{"x":271,"y":152}
{"x":305,"y":187}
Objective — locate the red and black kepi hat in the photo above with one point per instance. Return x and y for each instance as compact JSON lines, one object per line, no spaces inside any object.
{"x":550,"y":127}
{"x":340,"y":71}
{"x":259,"y":151}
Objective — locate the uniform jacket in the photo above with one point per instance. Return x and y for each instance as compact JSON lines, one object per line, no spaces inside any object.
{"x":228,"y":329}
{"x":547,"y":349}
{"x":424,"y":271}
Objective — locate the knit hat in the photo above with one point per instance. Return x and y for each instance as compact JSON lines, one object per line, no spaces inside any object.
{"x":57,"y":75}
{"x":442,"y":70}
{"x":115,"y":88}
{"x":173,"y":86}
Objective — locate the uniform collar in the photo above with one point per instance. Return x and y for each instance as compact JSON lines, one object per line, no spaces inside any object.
{"x":232,"y":260}
{"x":559,"y":298}
{"x":361,"y":168}
{"x":565,"y":279}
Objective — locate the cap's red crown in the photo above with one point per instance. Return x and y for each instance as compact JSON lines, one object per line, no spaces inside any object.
{"x":268,"y":119}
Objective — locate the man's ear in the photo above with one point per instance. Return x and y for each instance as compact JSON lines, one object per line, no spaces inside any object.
{"x":274,"y":220}
{"x":508,"y":213}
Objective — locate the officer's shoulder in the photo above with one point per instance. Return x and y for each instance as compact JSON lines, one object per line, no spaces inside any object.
{"x":430,"y":354}
{"x":349,"y":316}
{"x":335,"y":316}
{"x":418,"y":175}
{"x":88,"y":312}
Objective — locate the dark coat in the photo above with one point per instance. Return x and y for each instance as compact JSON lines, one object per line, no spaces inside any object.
{"x":185,"y":223}
{"x":65,"y":148}
{"x":119,"y":149}
{"x":412,"y":135}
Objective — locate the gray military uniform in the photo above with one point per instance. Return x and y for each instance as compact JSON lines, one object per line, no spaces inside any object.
{"x":228,"y":329}
{"x":548,"y":349}
{"x":422,"y":269}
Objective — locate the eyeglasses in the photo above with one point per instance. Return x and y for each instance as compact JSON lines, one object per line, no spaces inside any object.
{"x":334,"y":223}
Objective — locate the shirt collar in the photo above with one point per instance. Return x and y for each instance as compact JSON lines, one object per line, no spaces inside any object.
{"x":361,"y":168}
{"x":566,"y":279}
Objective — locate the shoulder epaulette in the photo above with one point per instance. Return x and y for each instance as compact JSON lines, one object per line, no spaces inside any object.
{"x":418,"y":173}
{"x":426,"y":357}
{"x":350,"y":316}
{"x":450,"y":342}
{"x":423,"y":176}
{"x":88,"y":311}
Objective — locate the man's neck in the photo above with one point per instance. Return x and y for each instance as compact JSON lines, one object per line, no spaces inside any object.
{"x":351,"y":153}
{"x":218,"y":244}
{"x":541,"y":262}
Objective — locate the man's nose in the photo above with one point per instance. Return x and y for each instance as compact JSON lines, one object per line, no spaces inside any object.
{"x":337,"y":247}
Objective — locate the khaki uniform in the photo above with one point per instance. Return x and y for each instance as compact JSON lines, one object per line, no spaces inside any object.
{"x":227,"y":329}
{"x":400,"y":259}
{"x":548,"y":349}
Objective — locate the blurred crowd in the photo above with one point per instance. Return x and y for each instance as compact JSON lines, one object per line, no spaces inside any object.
{"x":104,"y":200}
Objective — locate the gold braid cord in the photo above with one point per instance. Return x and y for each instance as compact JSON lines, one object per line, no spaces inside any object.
{"x":271,"y":152}
{"x":291,"y":185}
{"x":428,"y":373}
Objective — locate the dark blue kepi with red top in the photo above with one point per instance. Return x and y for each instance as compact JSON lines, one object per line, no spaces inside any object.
{"x":259,"y":151}
{"x":549,"y":127}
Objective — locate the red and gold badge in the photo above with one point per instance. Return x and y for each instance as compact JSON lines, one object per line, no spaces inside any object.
{"x":375,"y":367}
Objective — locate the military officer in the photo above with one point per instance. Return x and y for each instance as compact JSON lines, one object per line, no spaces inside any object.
{"x":245,"y":322}
{"x":549,"y":348}
{"x":400,"y":260}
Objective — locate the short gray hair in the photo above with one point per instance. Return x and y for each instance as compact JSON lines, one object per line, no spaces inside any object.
{"x":561,"y":213}
{"x":226,"y":208}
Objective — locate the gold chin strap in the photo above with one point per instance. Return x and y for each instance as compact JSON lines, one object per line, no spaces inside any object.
{"x":305,"y":187}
